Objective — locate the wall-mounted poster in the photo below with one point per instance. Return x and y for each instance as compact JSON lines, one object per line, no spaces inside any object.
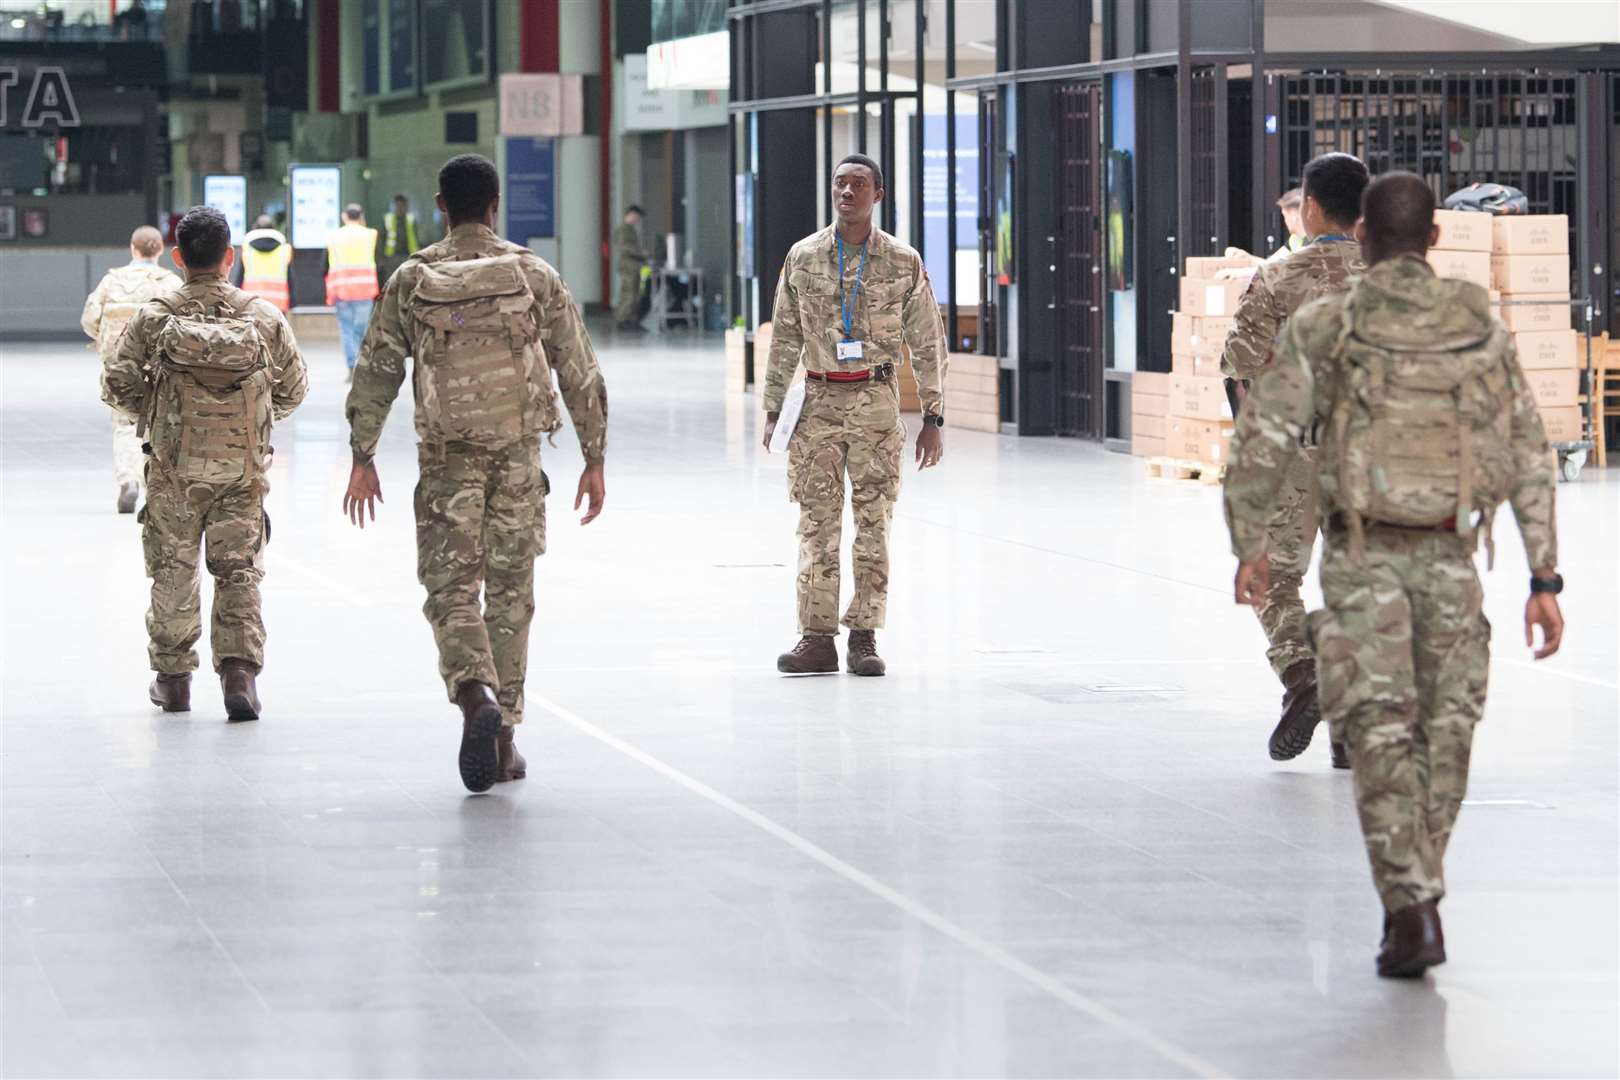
{"x":1120,"y":222}
{"x":8,"y":223}
{"x":228,"y":195}
{"x":36,"y":222}
{"x":316,"y":195}
{"x":1006,"y":269}
{"x":530,"y":189}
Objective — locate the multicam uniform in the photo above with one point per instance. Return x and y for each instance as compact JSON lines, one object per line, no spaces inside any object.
{"x":183,"y":508}
{"x":108,"y":310}
{"x":480,"y":510}
{"x":851,"y":427}
{"x":1403,"y":645}
{"x":631,"y":258}
{"x":1278,"y":290}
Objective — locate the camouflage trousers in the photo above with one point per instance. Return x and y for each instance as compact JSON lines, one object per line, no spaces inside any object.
{"x":128,"y":461}
{"x":1290,"y":535}
{"x":629,"y":304}
{"x":1403,"y":653}
{"x":851,"y":429}
{"x":180,"y":516}
{"x":480,"y":524}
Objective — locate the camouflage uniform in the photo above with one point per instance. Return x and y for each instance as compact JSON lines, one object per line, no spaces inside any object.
{"x":1278,"y":290}
{"x":850,"y":427}
{"x":631,"y":258}
{"x":134,"y":284}
{"x":182,"y":513}
{"x":480,"y":511}
{"x":1403,"y":645}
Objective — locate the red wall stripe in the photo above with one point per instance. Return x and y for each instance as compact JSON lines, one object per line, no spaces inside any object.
{"x":329,"y":26}
{"x":539,"y":41}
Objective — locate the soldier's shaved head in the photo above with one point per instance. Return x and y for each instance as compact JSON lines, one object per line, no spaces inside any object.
{"x":1397,"y":215}
{"x":146,"y":242}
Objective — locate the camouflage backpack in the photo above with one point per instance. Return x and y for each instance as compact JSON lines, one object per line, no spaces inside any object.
{"x":210,"y":414}
{"x":1419,"y":429}
{"x":480,"y":364}
{"x":114,"y":318}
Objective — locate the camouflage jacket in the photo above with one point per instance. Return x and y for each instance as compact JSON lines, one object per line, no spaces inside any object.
{"x":135,"y":283}
{"x":127,"y":380}
{"x":896,"y":305}
{"x":627,"y":245}
{"x":380,"y":368}
{"x":1279,"y":289}
{"x":1296,"y":394}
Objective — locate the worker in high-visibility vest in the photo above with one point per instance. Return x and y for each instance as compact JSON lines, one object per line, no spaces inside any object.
{"x":399,"y":236}
{"x":266,"y":255}
{"x":351,"y":279}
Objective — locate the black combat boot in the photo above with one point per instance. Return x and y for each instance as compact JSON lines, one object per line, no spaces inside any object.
{"x":863,"y":658}
{"x":1300,"y":713}
{"x":511,"y":765}
{"x":479,"y":757}
{"x":1413,"y":941}
{"x":1341,"y":756}
{"x":238,"y":681}
{"x":171,"y":693}
{"x":127,"y":495}
{"x":815,"y":654}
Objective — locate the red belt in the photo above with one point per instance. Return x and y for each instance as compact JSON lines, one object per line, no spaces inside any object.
{"x":881,"y":374}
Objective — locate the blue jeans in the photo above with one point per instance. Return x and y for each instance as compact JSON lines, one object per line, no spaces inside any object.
{"x":353,"y":316}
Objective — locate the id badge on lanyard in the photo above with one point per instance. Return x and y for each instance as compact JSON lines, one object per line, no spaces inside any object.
{"x":849,"y":349}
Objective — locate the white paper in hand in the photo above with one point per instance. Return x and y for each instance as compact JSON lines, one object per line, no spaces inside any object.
{"x":792,"y":406}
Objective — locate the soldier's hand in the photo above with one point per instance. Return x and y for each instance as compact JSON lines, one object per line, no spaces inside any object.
{"x":365,"y":492}
{"x":1542,"y":610}
{"x":930,"y":447}
{"x":770,"y":427}
{"x":1252,"y":581}
{"x":592,"y":486}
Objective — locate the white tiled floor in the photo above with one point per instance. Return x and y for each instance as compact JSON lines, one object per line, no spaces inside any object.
{"x":1049,"y":843}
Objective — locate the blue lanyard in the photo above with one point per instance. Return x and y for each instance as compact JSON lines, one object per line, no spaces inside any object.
{"x":847,"y":306}
{"x":1326,"y":237}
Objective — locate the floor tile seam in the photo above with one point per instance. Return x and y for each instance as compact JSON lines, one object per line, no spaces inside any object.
{"x":948,"y":929}
{"x":456,"y":988}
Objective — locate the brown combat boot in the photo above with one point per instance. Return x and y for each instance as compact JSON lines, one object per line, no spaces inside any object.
{"x":1300,"y":713}
{"x":815,"y":654}
{"x":237,"y":679}
{"x":511,"y":765}
{"x":1413,"y":941}
{"x":171,"y":693}
{"x":478,"y":759}
{"x":863,"y":658}
{"x":127,"y":494}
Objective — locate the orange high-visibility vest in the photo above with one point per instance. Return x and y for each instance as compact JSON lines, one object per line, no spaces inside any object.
{"x":264,"y":273}
{"x":351,"y":264}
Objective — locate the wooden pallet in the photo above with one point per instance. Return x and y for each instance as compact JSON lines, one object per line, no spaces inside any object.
{"x":1166,"y":468}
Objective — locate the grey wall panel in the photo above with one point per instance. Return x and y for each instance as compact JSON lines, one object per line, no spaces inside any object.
{"x":42,"y":291}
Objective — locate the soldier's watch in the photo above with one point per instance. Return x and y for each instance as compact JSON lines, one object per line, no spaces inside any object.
{"x":1554,"y":584}
{"x":936,"y":420}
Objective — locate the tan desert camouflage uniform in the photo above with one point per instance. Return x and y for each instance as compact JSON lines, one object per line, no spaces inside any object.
{"x":1277,"y":290}
{"x":108,"y":310}
{"x":206,"y":476}
{"x":480,"y":502}
{"x":852,"y":428}
{"x":1403,"y":644}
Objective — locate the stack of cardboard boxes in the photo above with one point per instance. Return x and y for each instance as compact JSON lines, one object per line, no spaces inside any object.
{"x":1530,"y":270}
{"x":1196,"y":420}
{"x":1464,"y":248}
{"x":1150,"y":413}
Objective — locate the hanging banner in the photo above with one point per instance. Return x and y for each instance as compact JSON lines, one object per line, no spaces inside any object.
{"x":530,"y":188}
{"x":228,"y":195}
{"x":316,"y":195}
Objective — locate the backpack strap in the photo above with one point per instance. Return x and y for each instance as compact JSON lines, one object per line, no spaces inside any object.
{"x":1340,"y":432}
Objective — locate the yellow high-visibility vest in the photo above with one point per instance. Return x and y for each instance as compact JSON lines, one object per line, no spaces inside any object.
{"x":351,"y":264}
{"x":264,"y":273}
{"x":391,"y":234}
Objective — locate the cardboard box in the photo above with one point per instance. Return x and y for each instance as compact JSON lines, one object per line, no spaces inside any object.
{"x":1530,"y":234}
{"x":1207,"y":266}
{"x":1147,"y":446}
{"x":1463,"y":230}
{"x":1150,"y":384}
{"x":1555,"y":388}
{"x":1548,"y":350}
{"x":1153,"y":427}
{"x":1197,"y":334}
{"x":1563,"y":423}
{"x":1472,"y":266}
{"x":1531,"y":273}
{"x":1216,"y":299}
{"x":1199,"y":397}
{"x":1205,"y":365}
{"x":1543,"y":311}
{"x":1208,"y":441}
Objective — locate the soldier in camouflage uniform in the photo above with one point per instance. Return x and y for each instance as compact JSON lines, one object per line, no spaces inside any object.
{"x":849,"y":298}
{"x":631,"y":257}
{"x":206,"y":470}
{"x":1332,"y":202}
{"x":1414,"y":382}
{"x":107,"y":311}
{"x":480,"y":509}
